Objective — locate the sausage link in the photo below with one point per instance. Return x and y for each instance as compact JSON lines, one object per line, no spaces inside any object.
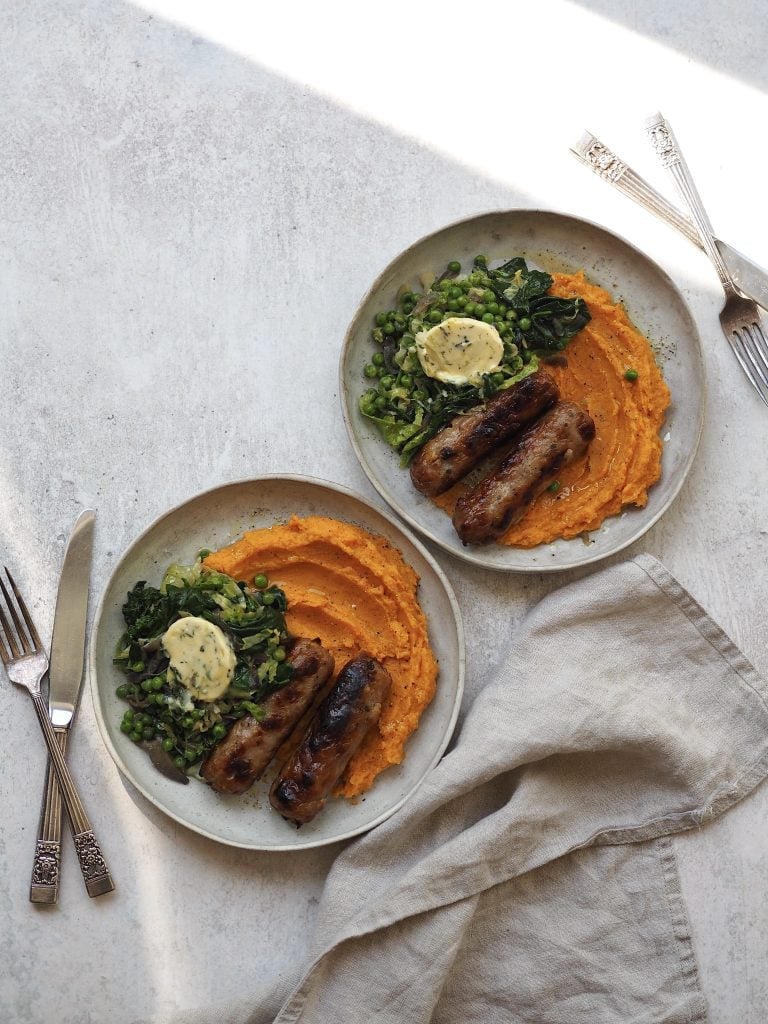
{"x":243,"y":755}
{"x":501,"y":499}
{"x":458,"y":447}
{"x":353,"y":706}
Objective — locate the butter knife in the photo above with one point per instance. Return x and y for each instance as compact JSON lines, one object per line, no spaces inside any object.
{"x":65,"y":677}
{"x":751,"y":279}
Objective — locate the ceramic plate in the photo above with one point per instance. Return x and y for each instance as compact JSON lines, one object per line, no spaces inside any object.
{"x":212,"y":520}
{"x":552,"y":242}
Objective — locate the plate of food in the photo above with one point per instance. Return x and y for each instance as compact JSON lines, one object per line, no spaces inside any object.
{"x":277,"y":664}
{"x":524,"y":388}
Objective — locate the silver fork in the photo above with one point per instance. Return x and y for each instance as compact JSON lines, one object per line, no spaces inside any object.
{"x":26,"y":664}
{"x":739,"y":317}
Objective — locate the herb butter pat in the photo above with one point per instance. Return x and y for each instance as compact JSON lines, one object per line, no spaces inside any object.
{"x":201,"y":658}
{"x":459,"y":350}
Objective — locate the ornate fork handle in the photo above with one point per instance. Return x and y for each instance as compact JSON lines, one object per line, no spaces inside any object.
{"x":665,"y":144}
{"x":92,"y":864}
{"x":604,"y":162}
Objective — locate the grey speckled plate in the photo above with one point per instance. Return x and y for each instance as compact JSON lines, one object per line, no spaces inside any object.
{"x":212,"y":520}
{"x":551,"y":241}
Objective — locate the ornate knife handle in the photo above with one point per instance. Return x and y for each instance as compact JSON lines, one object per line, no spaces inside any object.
{"x":604,"y":162}
{"x":93,"y":867}
{"x":44,"y":887}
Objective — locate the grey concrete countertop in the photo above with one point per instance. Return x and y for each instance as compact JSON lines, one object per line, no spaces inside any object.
{"x":194,"y":198}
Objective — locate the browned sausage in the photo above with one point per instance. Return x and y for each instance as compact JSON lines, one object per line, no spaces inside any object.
{"x":468,"y":438}
{"x":337,"y":730}
{"x":499,"y":500}
{"x":243,"y":755}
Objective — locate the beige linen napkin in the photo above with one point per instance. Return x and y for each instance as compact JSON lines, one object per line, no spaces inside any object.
{"x":531,"y":877}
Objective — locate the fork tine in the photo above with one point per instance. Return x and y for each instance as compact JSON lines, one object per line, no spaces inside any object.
{"x":737,"y":347}
{"x":9,"y":638}
{"x":745,"y":338}
{"x":758,"y":347}
{"x":36,"y":645}
{"x":6,"y":652}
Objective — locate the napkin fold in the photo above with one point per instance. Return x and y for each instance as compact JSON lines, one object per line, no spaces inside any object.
{"x":531,"y":877}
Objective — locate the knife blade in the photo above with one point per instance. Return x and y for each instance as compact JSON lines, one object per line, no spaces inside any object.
{"x":750,"y":277}
{"x":65,"y":677}
{"x":69,"y":622}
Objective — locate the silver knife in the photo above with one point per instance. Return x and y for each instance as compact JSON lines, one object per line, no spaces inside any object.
{"x":750,"y":278}
{"x":65,"y":677}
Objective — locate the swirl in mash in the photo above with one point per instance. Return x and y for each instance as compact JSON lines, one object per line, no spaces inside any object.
{"x":353,"y":591}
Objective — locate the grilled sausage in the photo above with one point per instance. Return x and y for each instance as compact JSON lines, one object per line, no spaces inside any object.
{"x":351,"y":708}
{"x":468,"y":438}
{"x":242,"y":756}
{"x":499,"y":500}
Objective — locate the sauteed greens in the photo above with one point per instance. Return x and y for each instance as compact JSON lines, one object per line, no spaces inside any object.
{"x":408,"y":406}
{"x":161,"y":707}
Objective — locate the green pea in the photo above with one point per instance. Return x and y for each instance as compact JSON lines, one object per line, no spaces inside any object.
{"x":487,"y":318}
{"x":480,"y":309}
{"x":219,"y":730}
{"x":180,"y":762}
{"x":461,"y":302}
{"x":471,"y":308}
{"x":146,"y":685}
{"x":511,"y":314}
{"x":524,"y":324}
{"x":381,"y":319}
{"x":497,"y":378}
{"x":406,"y":297}
{"x":187,"y":722}
{"x":488,"y":295}
{"x":370,"y":371}
{"x":157,"y":683}
{"x":388,"y":327}
{"x":454,"y":266}
{"x":435,"y":316}
{"x":279,"y":654}
{"x":381,"y":402}
{"x":122,"y":690}
{"x":631,"y":375}
{"x":377,"y":359}
{"x":453,"y":305}
{"x":493,"y":307}
{"x":387,"y":382}
{"x":260,"y":580}
{"x":136,"y":736}
{"x":408,"y":308}
{"x":268,"y":598}
{"x":126,"y":727}
{"x":168,"y":744}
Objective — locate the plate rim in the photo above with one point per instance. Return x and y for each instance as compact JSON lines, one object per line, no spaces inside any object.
{"x":467,"y":554}
{"x":399,"y":528}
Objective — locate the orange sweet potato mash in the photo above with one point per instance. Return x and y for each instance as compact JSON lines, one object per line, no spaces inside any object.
{"x":624,"y":459}
{"x":355,"y":592}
